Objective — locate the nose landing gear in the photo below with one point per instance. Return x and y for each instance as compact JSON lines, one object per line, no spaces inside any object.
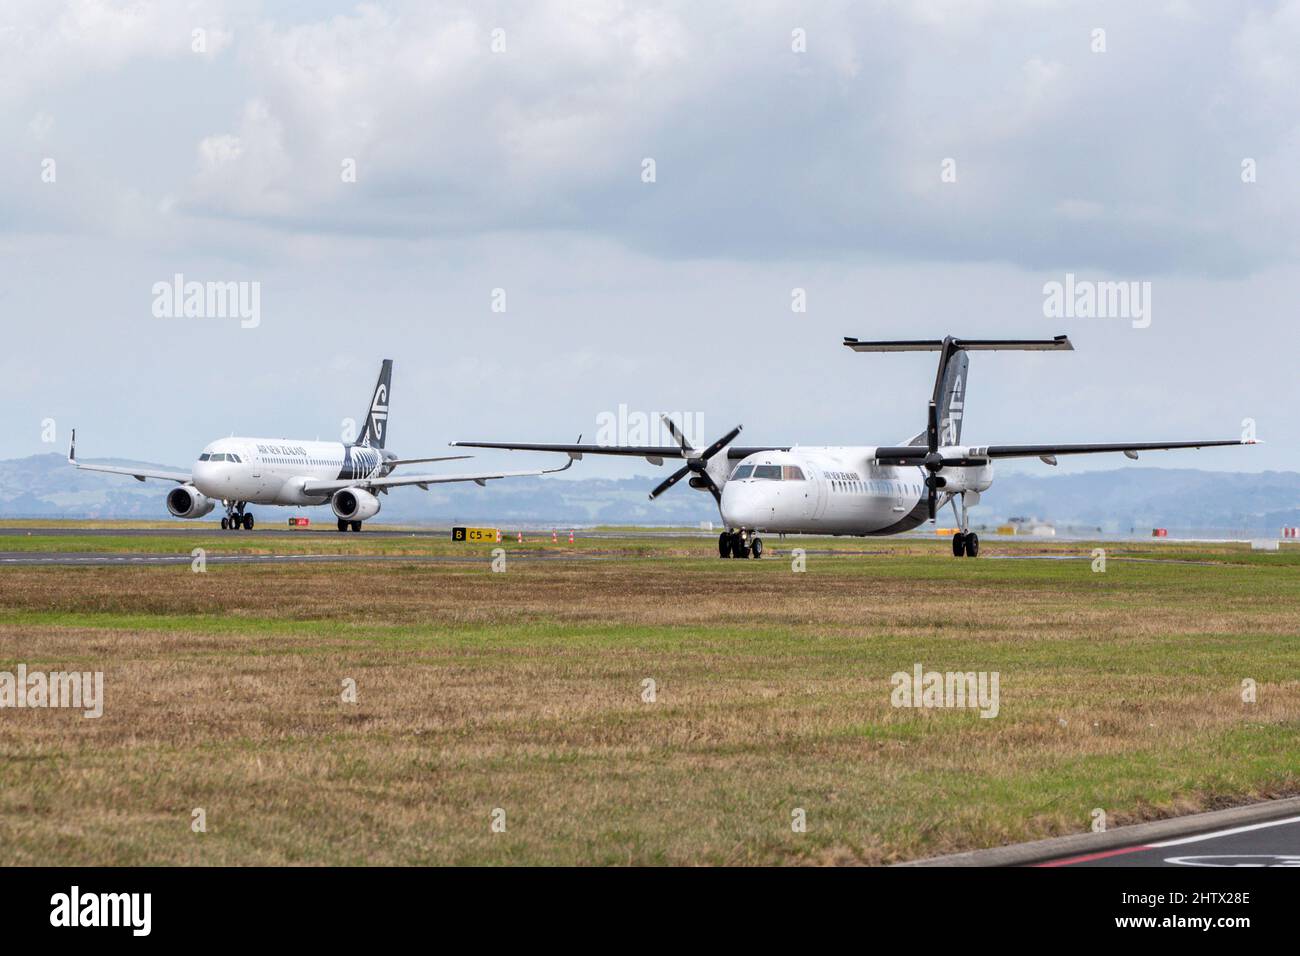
{"x":735,"y":544}
{"x":236,"y":517}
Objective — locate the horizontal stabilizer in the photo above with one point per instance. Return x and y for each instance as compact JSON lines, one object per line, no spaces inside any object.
{"x":1061,"y":342}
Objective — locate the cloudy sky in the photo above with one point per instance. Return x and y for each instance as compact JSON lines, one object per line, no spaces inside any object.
{"x":386,"y":173}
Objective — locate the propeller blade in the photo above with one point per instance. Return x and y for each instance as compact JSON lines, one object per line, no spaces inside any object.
{"x":933,"y":503}
{"x":671,"y":480}
{"x":713,"y":488}
{"x":677,"y":435}
{"x":721,"y":443}
{"x":932,"y":429}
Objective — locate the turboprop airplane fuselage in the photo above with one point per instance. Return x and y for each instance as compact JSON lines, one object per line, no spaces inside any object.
{"x":833,"y":490}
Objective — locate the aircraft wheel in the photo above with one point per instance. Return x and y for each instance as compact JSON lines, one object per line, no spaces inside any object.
{"x":343,"y":525}
{"x":356,"y":526}
{"x":756,"y":549}
{"x":738,"y":547}
{"x":958,"y":545}
{"x":248,"y":522}
{"x":224,"y":524}
{"x":972,"y":545}
{"x":724,"y":545}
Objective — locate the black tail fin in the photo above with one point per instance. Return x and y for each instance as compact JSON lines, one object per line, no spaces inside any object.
{"x":949,"y":396}
{"x":376,"y":429}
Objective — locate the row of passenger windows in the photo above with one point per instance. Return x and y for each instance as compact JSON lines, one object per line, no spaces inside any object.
{"x":875,"y":487}
{"x":231,"y":456}
{"x":794,"y":473}
{"x":768,"y":472}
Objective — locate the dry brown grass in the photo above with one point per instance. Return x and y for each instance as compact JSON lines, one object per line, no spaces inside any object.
{"x":522,"y":691}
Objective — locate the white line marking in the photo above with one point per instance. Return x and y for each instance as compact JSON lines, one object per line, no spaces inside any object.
{"x":1224,"y":833}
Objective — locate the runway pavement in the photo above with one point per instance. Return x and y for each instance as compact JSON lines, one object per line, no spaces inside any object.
{"x":209,"y":530}
{"x":1266,"y":833}
{"x":1270,"y":843}
{"x":110,"y":559}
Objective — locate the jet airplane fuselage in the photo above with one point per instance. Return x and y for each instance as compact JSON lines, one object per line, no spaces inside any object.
{"x":274,"y":471}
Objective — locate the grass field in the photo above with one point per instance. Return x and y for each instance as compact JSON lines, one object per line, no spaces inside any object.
{"x":523,"y":691}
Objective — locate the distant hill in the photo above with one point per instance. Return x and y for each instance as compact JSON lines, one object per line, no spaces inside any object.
{"x":45,"y":486}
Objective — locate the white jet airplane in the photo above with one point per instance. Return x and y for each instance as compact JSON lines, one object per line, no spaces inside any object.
{"x":286,"y":471}
{"x":856,"y":490}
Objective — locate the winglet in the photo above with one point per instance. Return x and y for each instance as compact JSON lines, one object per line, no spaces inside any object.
{"x":575,"y":455}
{"x":72,"y":449}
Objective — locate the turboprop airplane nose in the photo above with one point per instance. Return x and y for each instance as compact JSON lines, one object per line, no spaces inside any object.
{"x":741,"y":505}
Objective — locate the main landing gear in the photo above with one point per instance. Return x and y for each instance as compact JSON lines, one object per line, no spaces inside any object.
{"x":345,"y":524}
{"x":236,"y":517}
{"x":965,"y":543}
{"x":736,"y":544}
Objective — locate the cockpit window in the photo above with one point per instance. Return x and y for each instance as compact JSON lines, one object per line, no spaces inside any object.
{"x":235,"y":458}
{"x":742,"y":471}
{"x":204,"y":457}
{"x":791,"y":473}
{"x":770,"y":472}
{"x":219,"y":456}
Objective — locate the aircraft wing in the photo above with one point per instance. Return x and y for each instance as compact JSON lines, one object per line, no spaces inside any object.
{"x":139,"y":474}
{"x":976,"y":454}
{"x":419,"y":461}
{"x":1038,"y":451}
{"x":423,"y":481}
{"x":655,"y":454}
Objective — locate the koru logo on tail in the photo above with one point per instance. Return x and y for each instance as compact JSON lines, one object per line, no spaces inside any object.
{"x":948,"y":427}
{"x":379,"y":412}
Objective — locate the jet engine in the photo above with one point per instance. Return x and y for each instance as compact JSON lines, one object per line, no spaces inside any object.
{"x":186,"y":502}
{"x":354,"y":504}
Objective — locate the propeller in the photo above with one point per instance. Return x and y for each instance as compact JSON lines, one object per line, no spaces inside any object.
{"x":697,"y":462}
{"x":933,"y":461}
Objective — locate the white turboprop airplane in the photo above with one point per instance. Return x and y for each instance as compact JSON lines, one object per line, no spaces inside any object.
{"x":856,"y":490}
{"x":284,"y":471}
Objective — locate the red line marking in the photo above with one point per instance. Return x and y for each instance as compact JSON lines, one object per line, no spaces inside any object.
{"x":1095,"y":856}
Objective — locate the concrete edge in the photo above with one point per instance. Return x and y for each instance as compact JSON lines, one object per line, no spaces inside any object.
{"x":1054,"y":848}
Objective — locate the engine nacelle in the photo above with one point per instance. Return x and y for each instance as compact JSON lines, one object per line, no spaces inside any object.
{"x":354,"y":504}
{"x":719,"y":468}
{"x":969,"y":478}
{"x":186,"y":502}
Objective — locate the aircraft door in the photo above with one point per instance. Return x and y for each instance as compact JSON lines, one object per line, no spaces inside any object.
{"x":814,"y":498}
